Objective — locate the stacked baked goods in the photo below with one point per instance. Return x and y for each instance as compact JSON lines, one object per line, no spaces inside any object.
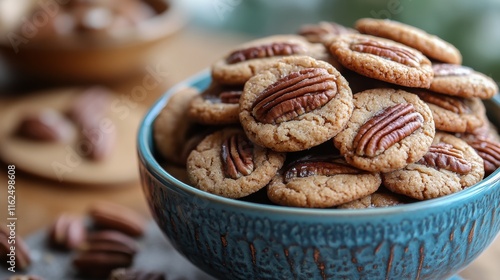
{"x":379,"y":115}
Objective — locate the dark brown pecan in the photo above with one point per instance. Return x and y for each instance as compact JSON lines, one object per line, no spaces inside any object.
{"x":21,"y":252}
{"x":129,"y":274}
{"x":263,"y":51}
{"x":67,"y":232}
{"x":293,"y":95}
{"x":386,"y":128}
{"x":490,"y":153}
{"x":237,"y":156}
{"x":443,"y":70}
{"x":46,"y":125}
{"x":113,"y":216}
{"x":230,"y":97}
{"x":451,"y":103}
{"x":104,"y":251}
{"x":445,"y":156}
{"x":388,"y":51}
{"x":318,"y":166}
{"x":223,"y":94}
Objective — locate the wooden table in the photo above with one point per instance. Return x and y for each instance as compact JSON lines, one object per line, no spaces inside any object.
{"x":40,"y":201}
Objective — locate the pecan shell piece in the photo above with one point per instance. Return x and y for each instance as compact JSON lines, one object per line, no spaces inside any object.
{"x":387,"y":51}
{"x":386,"y":128}
{"x":237,"y":156}
{"x":294,"y":95}
{"x":318,"y":166}
{"x":263,"y":51}
{"x":445,"y":156}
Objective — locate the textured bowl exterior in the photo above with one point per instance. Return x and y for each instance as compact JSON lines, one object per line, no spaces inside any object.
{"x":233,"y":239}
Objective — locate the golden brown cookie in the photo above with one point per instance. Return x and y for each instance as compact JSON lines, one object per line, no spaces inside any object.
{"x":226,"y":163}
{"x":458,"y":80}
{"x":322,"y":31}
{"x":430,"y":45}
{"x":375,"y":200}
{"x":452,"y":113}
{"x":382,"y":59}
{"x":321,"y":182}
{"x":388,"y":130}
{"x":246,"y":60}
{"x":296,"y":104}
{"x":450,"y":166}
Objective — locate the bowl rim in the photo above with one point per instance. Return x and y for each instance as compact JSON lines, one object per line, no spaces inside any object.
{"x":146,"y":158}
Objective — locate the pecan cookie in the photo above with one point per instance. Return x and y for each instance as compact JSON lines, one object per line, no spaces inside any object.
{"x":322,"y":31}
{"x":246,"y":60}
{"x":452,"y":113}
{"x":388,"y":130}
{"x":462,"y":81}
{"x":321,"y":182}
{"x":450,"y":166}
{"x":226,"y":163}
{"x":488,"y":150}
{"x":375,"y":200}
{"x":296,"y":104}
{"x":216,"y":105}
{"x":430,"y":45}
{"x":382,"y":59}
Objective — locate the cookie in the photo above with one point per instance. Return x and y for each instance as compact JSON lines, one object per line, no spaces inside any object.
{"x":375,"y":200}
{"x":321,"y":182}
{"x":452,"y":113}
{"x":171,"y":129}
{"x":226,"y":163}
{"x":217,"y":105}
{"x":382,"y":59}
{"x":488,"y":150}
{"x":322,"y":31}
{"x":458,"y":80}
{"x":388,"y":130}
{"x":246,"y":60}
{"x":430,"y":45}
{"x":450,"y":166}
{"x":296,"y":104}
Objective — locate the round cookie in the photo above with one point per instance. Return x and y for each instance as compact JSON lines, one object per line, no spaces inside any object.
{"x":430,"y":45}
{"x":454,"y":114}
{"x":296,"y":104}
{"x":216,"y":105}
{"x":375,"y":200}
{"x":322,"y":31}
{"x":450,"y":166}
{"x":488,"y":150}
{"x":458,"y":80}
{"x":246,"y":60}
{"x":321,"y":182}
{"x":226,"y":163}
{"x":382,"y":59}
{"x":388,"y":130}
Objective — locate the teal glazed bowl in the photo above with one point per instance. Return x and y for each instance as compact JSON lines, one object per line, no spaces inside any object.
{"x":233,"y":239}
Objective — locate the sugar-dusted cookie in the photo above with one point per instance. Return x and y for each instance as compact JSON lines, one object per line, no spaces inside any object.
{"x":226,"y":163}
{"x":430,"y":45}
{"x":246,"y":60}
{"x":450,"y":166}
{"x":382,"y":59}
{"x":296,"y":104}
{"x":388,"y":130}
{"x":321,"y":181}
{"x":462,"y":81}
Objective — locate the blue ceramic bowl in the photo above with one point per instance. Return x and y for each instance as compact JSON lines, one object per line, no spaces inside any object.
{"x":232,"y":239}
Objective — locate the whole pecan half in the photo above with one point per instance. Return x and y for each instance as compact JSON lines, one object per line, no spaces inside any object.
{"x":388,"y":51}
{"x":230,"y":97}
{"x":117,"y":217}
{"x":443,"y":70}
{"x":386,"y":128}
{"x":318,"y":166}
{"x":223,"y":94}
{"x":451,"y":103}
{"x":490,"y":153}
{"x":237,"y":156}
{"x":293,"y":95}
{"x":263,"y":51}
{"x":67,"y":232}
{"x":445,"y":156}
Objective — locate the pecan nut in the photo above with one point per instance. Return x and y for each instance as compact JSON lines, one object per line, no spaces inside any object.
{"x":230,"y":97}
{"x":388,"y":51}
{"x":116,"y":217}
{"x":318,"y":166}
{"x":451,"y":103}
{"x":46,"y":125}
{"x":127,"y":274}
{"x":67,"y":232}
{"x":490,"y":153}
{"x":387,"y":128}
{"x":237,"y":156}
{"x":445,"y":70}
{"x":445,"y":156}
{"x":294,"y":95}
{"x":263,"y":51}
{"x":223,"y":94}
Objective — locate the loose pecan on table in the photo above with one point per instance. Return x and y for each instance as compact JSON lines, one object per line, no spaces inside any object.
{"x":67,"y":232}
{"x":445,"y":156}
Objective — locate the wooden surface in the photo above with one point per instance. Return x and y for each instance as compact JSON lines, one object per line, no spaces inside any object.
{"x":40,"y":201}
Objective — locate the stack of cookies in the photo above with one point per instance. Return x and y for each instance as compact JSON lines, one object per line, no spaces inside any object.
{"x":379,"y":115}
